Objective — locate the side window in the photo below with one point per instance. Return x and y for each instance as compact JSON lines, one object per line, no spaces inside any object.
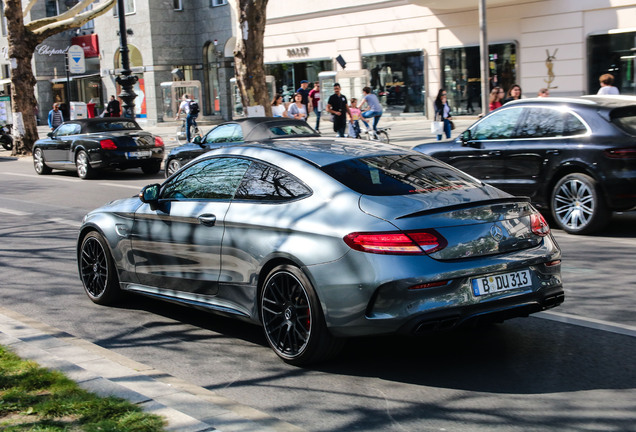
{"x":499,"y":125}
{"x":67,"y":129}
{"x":550,"y":123}
{"x":215,"y":178}
{"x":224,"y":133}
{"x":267,"y":183}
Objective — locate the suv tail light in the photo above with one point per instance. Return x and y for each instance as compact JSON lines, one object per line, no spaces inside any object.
{"x":108,"y":144}
{"x":396,"y":242}
{"x":539,"y":225}
{"x":158,"y":142}
{"x":621,"y":153}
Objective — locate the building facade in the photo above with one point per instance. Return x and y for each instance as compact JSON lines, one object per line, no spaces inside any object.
{"x":408,"y":49}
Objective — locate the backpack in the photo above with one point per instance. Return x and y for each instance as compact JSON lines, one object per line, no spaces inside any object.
{"x":194,"y":108}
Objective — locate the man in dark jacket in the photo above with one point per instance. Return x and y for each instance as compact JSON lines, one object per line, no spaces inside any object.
{"x":113,"y":107}
{"x":337,"y":105}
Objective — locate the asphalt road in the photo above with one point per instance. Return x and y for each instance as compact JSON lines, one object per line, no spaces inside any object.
{"x":569,"y":369}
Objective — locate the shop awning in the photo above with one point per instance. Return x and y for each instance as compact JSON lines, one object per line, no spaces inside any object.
{"x":74,"y":77}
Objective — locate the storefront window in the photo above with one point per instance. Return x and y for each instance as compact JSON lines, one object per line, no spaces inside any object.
{"x":614,"y":54}
{"x":398,"y":80}
{"x":289,"y":75}
{"x":212,"y":104}
{"x":461,"y":75}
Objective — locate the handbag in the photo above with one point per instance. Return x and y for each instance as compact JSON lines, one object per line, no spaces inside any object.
{"x":452,"y":124}
{"x":437,"y":127}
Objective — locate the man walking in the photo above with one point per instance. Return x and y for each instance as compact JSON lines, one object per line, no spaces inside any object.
{"x":113,"y":107}
{"x":337,"y":105}
{"x":55,"y":116}
{"x":190,"y":116}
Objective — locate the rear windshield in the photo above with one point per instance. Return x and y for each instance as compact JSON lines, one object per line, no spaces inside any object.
{"x":109,"y":126}
{"x":398,"y":175}
{"x":625,"y":118}
{"x":286,"y":130}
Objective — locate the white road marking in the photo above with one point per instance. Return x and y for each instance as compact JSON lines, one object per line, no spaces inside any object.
{"x":13,"y":212}
{"x":48,"y":177}
{"x":592,"y":323}
{"x":137,"y":188}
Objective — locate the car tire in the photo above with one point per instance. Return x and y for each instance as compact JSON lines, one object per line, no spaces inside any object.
{"x":151,"y":168}
{"x":577,"y":205}
{"x":172,"y":166}
{"x":97,"y":270}
{"x":39,"y":164}
{"x":83,"y":165}
{"x":292,"y":318}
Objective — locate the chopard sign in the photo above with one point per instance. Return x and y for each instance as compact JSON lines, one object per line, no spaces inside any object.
{"x":49,"y":51}
{"x":298,"y":52}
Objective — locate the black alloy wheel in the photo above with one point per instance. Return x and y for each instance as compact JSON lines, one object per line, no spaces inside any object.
{"x":97,"y":270}
{"x":40,"y":166}
{"x":83,"y":165}
{"x":292,"y":319}
{"x":577,"y":204}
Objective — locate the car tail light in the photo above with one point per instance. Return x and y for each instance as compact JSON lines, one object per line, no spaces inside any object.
{"x":396,"y":242}
{"x":108,"y":144}
{"x":158,"y":142}
{"x":429,"y":285}
{"x":621,"y":153}
{"x":539,"y":225}
{"x":553,"y":263}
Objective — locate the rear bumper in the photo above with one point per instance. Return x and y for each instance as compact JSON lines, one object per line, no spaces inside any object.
{"x":119,"y":160}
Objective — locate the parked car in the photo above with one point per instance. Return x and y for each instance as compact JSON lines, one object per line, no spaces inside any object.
{"x":322,"y":239}
{"x":237,"y":131}
{"x":574,"y":157}
{"x":89,"y":145}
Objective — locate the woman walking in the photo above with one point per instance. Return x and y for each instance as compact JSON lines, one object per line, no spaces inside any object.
{"x":297,"y":110}
{"x":496,"y":95}
{"x":442,"y":112}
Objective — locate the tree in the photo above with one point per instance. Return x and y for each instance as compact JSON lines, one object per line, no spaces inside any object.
{"x":249,"y":65}
{"x":23,"y":38}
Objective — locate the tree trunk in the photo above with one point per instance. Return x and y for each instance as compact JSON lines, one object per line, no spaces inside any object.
{"x":22,"y":44}
{"x":248,"y":55}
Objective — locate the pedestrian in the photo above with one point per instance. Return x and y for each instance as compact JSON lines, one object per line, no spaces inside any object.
{"x":496,"y":95}
{"x":607,"y":87}
{"x":337,"y":106}
{"x":278,"y":106}
{"x":443,"y":112}
{"x":113,"y":108}
{"x":304,"y":92}
{"x":314,"y":97}
{"x":374,"y":107}
{"x":543,"y":92}
{"x":514,"y":93}
{"x":55,"y":116}
{"x":297,"y":110}
{"x":190,"y":117}
{"x":355,"y":116}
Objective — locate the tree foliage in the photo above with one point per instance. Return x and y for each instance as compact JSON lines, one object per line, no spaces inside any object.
{"x":23,"y":38}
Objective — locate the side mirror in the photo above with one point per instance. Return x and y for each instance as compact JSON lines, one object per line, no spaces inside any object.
{"x":197,"y":139}
{"x":466,"y":136}
{"x":150,"y":194}
{"x":50,"y":134}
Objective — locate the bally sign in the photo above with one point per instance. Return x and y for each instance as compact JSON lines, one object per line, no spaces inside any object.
{"x":76,"y":62}
{"x":298,"y":52}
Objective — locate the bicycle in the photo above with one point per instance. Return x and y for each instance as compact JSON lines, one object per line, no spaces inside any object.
{"x":181,"y":130}
{"x":381,"y":135}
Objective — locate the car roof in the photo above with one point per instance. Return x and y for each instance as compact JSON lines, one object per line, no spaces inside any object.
{"x":89,"y":121}
{"x":322,"y":151}
{"x":258,"y":128}
{"x":609,"y":102}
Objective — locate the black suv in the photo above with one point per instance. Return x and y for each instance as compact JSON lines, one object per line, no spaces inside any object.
{"x":573,"y":156}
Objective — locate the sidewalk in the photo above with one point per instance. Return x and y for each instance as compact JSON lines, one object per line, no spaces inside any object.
{"x":186,"y":407}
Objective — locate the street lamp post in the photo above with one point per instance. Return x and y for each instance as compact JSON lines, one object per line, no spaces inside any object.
{"x":126,"y":80}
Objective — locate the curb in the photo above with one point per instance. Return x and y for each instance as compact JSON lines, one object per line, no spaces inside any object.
{"x":185,"y":406}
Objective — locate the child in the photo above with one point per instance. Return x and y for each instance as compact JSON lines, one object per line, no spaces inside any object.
{"x":356,"y":116}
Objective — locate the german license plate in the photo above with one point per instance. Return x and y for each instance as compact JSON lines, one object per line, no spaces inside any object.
{"x":139,"y":154}
{"x":501,"y":282}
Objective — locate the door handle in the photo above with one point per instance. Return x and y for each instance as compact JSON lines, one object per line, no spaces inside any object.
{"x":207,"y":219}
{"x":494,"y":153}
{"x":553,"y":152}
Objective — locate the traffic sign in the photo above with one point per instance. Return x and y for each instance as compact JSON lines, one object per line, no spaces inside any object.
{"x":76,"y":62}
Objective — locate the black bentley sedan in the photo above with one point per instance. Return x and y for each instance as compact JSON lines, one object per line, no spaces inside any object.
{"x":237,"y":131}
{"x":88,"y":145}
{"x":574,"y":157}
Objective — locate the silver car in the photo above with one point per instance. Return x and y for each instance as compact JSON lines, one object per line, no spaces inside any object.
{"x":322,"y":239}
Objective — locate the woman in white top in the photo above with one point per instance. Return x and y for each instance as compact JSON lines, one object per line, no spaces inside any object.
{"x":297,"y":110}
{"x":278,"y":106}
{"x":607,"y":88}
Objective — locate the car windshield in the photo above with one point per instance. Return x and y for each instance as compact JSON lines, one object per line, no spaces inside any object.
{"x":109,"y":126}
{"x":284,"y":130}
{"x":625,"y":118}
{"x":403,"y":174}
